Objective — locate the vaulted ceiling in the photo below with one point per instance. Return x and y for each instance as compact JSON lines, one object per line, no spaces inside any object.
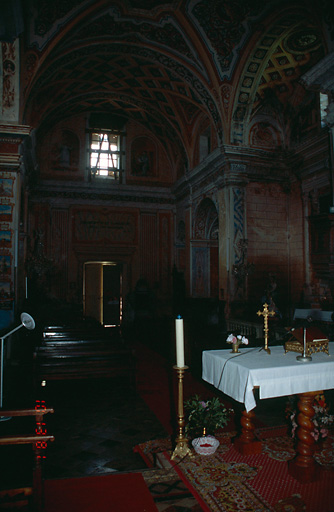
{"x":175,"y":67}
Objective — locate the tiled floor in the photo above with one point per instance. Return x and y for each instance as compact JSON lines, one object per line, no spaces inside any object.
{"x":96,"y":424}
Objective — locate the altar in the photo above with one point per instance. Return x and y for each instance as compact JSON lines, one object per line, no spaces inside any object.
{"x":274,"y":375}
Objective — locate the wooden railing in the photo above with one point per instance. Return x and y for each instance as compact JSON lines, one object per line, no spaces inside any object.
{"x":38,"y":440}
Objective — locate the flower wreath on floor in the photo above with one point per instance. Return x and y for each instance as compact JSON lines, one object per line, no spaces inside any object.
{"x":322,"y":418}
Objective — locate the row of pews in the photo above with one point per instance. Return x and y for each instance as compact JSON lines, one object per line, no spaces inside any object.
{"x":81,"y":352}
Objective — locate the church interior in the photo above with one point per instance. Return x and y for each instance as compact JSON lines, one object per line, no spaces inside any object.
{"x":157,"y":159}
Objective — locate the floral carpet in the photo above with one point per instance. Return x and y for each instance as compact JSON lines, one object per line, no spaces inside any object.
{"x":228,"y":481}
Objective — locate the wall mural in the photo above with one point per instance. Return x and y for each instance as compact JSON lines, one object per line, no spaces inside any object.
{"x":6,"y":212}
{"x":9,"y":81}
{"x":104,"y":226}
{"x":6,"y":248}
{"x":143,"y":157}
{"x":200,"y":271}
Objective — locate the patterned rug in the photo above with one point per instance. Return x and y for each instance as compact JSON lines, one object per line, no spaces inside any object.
{"x":229,"y":482}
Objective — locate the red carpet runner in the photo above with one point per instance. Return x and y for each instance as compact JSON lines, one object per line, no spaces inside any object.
{"x":228,"y":482}
{"x":157,"y":385}
{"x":108,"y":493}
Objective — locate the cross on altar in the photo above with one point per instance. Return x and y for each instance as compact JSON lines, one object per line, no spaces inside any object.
{"x":265,"y":313}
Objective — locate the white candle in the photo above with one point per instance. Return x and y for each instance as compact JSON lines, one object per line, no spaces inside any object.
{"x":179,"y":342}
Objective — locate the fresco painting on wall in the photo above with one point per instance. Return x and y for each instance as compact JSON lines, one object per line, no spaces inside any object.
{"x":5,"y":238}
{"x":200,"y":272}
{"x":143,"y":157}
{"x":5,"y":269}
{"x":6,"y":187}
{"x":6,"y":212}
{"x":65,"y":152}
{"x":6,"y":296}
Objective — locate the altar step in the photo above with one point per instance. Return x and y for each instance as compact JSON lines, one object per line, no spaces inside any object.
{"x":67,"y":352}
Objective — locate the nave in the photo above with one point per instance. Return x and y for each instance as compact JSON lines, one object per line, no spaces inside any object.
{"x":97,"y":423}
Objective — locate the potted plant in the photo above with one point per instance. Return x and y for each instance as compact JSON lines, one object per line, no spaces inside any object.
{"x":210,"y":415}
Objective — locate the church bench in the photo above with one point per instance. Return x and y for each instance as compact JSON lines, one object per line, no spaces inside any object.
{"x":72,"y":354}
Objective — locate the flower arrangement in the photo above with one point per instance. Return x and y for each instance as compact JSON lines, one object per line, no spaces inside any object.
{"x":209,"y":415}
{"x":321,"y":419}
{"x":237,"y":340}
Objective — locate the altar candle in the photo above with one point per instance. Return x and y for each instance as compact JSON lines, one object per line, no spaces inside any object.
{"x":179,"y":342}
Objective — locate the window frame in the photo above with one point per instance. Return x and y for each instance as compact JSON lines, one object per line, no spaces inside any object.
{"x":112,"y":173}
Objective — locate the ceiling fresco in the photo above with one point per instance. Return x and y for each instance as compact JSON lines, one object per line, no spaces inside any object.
{"x":171,"y":66}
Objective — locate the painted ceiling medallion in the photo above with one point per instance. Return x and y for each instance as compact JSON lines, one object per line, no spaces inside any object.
{"x":302,"y":41}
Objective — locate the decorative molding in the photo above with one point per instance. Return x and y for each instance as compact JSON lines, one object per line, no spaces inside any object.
{"x":321,"y":76}
{"x":15,"y":129}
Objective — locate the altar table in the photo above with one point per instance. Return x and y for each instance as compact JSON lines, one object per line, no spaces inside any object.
{"x":276,"y":374}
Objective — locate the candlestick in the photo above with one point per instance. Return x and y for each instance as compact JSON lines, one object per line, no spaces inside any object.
{"x":182,"y":449}
{"x":179,"y":342}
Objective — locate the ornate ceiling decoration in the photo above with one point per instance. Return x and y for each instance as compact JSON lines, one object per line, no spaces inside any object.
{"x":170,"y":66}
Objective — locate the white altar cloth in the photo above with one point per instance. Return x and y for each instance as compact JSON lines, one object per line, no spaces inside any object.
{"x":275,"y":374}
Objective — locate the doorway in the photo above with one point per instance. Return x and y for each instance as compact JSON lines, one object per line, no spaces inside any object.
{"x":102,"y":292}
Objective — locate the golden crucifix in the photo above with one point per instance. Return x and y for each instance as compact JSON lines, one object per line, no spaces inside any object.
{"x":265,"y":313}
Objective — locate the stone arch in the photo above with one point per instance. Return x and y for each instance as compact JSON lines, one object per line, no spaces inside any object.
{"x":205,"y":218}
{"x":205,"y":250}
{"x":270,"y":75}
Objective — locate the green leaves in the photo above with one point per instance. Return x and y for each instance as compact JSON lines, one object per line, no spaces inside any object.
{"x":200,"y":414}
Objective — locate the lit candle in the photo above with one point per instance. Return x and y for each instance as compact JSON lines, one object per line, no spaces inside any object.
{"x":179,"y":342}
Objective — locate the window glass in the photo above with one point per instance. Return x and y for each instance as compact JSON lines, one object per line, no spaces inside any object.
{"x":105,"y":154}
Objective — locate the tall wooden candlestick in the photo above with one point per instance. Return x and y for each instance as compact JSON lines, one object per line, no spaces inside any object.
{"x":182,"y":449}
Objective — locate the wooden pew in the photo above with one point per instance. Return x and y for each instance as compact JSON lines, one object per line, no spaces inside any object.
{"x":74,"y":353}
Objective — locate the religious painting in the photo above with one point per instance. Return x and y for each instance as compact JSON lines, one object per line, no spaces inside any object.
{"x":6,"y":296}
{"x":6,"y":212}
{"x":200,"y":268}
{"x":65,"y":152}
{"x":5,"y":238}
{"x":6,"y":187}
{"x":5,"y":268}
{"x":143,"y":157}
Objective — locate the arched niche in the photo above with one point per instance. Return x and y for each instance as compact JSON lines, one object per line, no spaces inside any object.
{"x":205,"y":250}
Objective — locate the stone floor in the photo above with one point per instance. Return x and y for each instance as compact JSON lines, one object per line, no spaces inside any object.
{"x":96,"y":424}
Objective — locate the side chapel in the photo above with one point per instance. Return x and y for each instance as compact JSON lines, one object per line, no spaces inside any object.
{"x":184,"y":147}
